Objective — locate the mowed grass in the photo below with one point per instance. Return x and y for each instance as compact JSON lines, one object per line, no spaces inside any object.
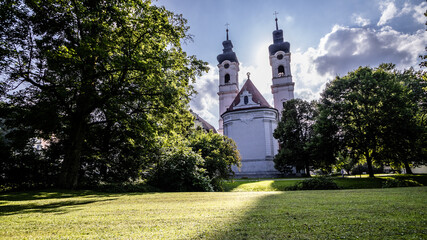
{"x":281,"y":185}
{"x":394,"y":213}
{"x":349,"y":182}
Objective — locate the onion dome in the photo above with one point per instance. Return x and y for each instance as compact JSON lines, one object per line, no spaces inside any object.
{"x":278,"y":43}
{"x":227,"y":52}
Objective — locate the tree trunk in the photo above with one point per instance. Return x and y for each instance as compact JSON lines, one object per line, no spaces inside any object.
{"x":71,"y":165}
{"x":307,"y":170}
{"x":369,"y":162}
{"x":407,"y":168}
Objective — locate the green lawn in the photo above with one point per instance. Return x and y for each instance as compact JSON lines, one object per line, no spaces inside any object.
{"x":394,"y":213}
{"x":349,"y":182}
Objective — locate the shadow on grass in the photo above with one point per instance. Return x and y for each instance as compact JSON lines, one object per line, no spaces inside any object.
{"x":10,"y":203}
{"x":331,"y":214}
{"x":58,"y":207}
{"x":359,"y":183}
{"x":47,"y":194}
{"x":60,"y":194}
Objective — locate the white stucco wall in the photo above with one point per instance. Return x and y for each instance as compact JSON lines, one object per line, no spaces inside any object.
{"x":227,"y":91}
{"x":252,"y":130}
{"x":283,"y":86}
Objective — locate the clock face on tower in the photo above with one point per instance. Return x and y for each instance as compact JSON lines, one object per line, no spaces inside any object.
{"x":280,"y":56}
{"x":226,"y":65}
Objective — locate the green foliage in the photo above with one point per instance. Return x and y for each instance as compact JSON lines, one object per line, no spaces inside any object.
{"x":363,"y":168}
{"x":409,"y":149}
{"x":317,"y":183}
{"x":359,"y":183}
{"x":198,"y":163}
{"x":180,"y":170}
{"x":219,"y":153}
{"x":370,"y":115}
{"x":100,"y":81}
{"x":25,"y":160}
{"x":140,"y":187}
{"x":344,"y":161}
{"x":396,"y":182}
{"x":295,"y":134}
{"x":258,"y":185}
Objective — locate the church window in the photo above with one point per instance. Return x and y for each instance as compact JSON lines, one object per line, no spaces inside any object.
{"x":281,"y":71}
{"x":226,"y":65}
{"x":227,"y":78}
{"x":246,"y":100}
{"x":280,"y":56}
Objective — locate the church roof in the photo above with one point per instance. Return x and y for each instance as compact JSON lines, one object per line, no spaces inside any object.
{"x":278,"y":43}
{"x":227,"y":52}
{"x":257,"y":98}
{"x":199,"y":121}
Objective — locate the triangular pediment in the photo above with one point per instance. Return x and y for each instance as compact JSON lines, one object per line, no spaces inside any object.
{"x":248,"y":97}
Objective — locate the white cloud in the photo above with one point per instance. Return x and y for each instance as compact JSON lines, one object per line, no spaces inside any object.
{"x":308,"y":82}
{"x":344,"y":49}
{"x":289,"y":19}
{"x":359,"y":20}
{"x":205,"y":102}
{"x":340,"y":51}
{"x":388,"y":10}
{"x":419,"y":11}
{"x":407,"y":8}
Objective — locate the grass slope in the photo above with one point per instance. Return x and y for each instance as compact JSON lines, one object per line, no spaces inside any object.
{"x":352,"y":182}
{"x":395,"y":213}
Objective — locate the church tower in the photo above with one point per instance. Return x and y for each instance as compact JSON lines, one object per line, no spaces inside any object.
{"x":280,"y":62}
{"x":228,"y":66}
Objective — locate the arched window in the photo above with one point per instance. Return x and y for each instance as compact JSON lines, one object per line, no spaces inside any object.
{"x":246,"y":100}
{"x":227,"y":78}
{"x":281,"y":71}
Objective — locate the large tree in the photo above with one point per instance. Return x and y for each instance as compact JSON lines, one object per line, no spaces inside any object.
{"x":406,"y":134}
{"x":295,"y":134}
{"x":373,"y":115}
{"x":99,"y":80}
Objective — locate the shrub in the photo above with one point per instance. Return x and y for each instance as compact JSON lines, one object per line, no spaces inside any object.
{"x":180,"y":170}
{"x":396,"y":182}
{"x":123,"y":187}
{"x":318,"y":183}
{"x":219,"y":153}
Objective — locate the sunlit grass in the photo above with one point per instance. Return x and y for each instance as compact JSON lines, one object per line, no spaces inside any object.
{"x":148,"y":216}
{"x":248,"y":185}
{"x":258,"y":186}
{"x":375,"y":214}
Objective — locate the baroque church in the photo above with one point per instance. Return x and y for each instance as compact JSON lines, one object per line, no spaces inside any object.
{"x":245,"y":115}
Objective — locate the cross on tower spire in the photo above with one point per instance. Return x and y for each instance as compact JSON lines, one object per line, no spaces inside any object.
{"x":227,"y":29}
{"x":275,"y":14}
{"x":248,"y":74}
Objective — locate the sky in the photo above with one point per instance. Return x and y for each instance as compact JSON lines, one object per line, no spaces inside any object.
{"x":328,"y":38}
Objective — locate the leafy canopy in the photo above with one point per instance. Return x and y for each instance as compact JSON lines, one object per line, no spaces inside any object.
{"x":100,"y":81}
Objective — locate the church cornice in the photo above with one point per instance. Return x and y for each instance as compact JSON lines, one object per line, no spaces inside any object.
{"x":252,"y":109}
{"x":283,"y":85}
{"x":287,"y":76}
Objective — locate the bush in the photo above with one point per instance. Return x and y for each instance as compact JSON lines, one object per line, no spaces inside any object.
{"x":318,"y":183}
{"x":219,"y":153}
{"x":123,"y":187}
{"x":180,"y":170}
{"x":396,"y":182}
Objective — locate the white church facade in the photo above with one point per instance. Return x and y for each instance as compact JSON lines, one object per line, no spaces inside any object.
{"x":245,"y":115}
